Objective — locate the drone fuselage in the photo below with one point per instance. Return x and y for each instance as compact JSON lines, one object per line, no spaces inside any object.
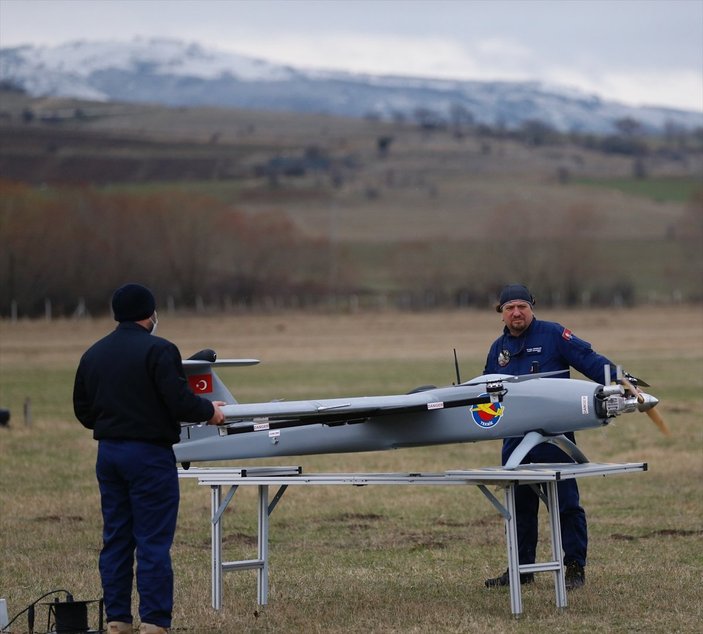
{"x":455,"y":414}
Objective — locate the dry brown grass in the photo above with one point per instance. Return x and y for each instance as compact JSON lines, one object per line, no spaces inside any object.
{"x":672,"y":331}
{"x":375,"y":559}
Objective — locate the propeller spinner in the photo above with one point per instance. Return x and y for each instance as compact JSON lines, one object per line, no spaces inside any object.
{"x":646,"y":404}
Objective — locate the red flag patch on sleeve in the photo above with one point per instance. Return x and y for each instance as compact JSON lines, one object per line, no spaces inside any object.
{"x":200,"y":383}
{"x":567,"y":334}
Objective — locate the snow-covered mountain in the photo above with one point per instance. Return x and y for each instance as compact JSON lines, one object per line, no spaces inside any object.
{"x":176,"y":73}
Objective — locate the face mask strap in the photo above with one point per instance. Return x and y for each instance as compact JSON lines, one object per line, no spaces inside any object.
{"x":154,"y":319}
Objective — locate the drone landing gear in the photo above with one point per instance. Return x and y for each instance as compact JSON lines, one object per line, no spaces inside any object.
{"x":534,"y":438}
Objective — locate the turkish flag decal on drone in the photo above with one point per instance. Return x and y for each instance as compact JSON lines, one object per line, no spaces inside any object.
{"x":200,"y":383}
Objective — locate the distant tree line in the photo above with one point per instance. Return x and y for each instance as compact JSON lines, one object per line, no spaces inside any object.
{"x":629,"y":137}
{"x":63,"y":251}
{"x":73,"y":246}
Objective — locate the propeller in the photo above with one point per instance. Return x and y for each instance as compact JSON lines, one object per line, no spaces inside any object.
{"x":646,"y":403}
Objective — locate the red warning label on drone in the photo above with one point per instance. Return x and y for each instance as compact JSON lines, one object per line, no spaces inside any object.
{"x":200,"y":383}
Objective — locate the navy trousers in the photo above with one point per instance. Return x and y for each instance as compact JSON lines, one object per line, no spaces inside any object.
{"x":139,"y":496}
{"x":572,"y":517}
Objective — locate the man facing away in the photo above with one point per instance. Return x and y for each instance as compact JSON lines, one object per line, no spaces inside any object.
{"x":131,"y":390}
{"x":529,"y":345}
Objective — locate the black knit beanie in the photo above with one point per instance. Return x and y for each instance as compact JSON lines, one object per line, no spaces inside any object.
{"x":511,"y":292}
{"x":133,"y":302}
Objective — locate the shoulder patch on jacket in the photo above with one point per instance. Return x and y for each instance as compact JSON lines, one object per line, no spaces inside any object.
{"x":567,"y":334}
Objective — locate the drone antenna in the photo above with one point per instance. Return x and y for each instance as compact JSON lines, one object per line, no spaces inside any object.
{"x":456,"y":368}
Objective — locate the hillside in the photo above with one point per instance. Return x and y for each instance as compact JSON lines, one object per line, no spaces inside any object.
{"x":181,"y":74}
{"x":393,"y":207}
{"x":329,"y":173}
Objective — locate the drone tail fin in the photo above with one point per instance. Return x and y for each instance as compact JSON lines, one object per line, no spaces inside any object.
{"x":204,"y":381}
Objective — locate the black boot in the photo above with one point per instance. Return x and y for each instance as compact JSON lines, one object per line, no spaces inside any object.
{"x":575,"y":576}
{"x":504,"y":579}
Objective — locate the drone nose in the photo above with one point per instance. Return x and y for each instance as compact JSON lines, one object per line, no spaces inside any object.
{"x":646,"y":402}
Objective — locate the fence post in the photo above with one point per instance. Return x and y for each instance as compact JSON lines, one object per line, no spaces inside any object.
{"x":27,"y":408}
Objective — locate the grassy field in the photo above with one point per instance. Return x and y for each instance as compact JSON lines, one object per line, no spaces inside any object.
{"x":379,"y":559}
{"x":662,"y":189}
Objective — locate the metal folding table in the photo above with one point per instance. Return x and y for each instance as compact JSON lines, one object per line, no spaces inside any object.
{"x":539,"y":476}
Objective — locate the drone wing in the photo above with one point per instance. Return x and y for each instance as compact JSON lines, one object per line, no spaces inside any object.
{"x":200,"y":363}
{"x":248,"y":417}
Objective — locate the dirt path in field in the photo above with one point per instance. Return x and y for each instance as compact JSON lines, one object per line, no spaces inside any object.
{"x":675,"y":332}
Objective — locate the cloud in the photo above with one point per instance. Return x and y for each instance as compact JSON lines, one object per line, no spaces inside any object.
{"x":503,"y":51}
{"x":487,"y":59}
{"x":392,"y":53}
{"x":682,"y":89}
{"x":395,"y":54}
{"x":679,"y":89}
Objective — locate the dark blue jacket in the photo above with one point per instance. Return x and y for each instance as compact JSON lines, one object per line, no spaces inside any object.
{"x":130,"y":385}
{"x":545,"y":346}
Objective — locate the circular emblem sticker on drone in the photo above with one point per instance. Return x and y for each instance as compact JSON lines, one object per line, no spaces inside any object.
{"x":487,"y":415}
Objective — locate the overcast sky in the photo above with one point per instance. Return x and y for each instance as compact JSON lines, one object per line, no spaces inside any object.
{"x":635,"y":51}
